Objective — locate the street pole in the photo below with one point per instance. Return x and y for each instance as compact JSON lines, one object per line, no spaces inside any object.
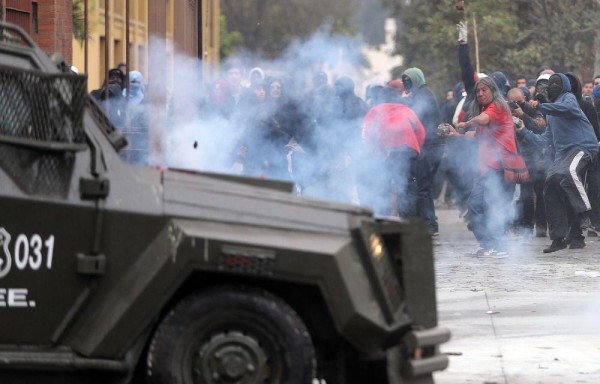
{"x":85,"y":36}
{"x":106,"y":46}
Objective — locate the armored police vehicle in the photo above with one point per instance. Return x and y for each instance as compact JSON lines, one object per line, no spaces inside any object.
{"x":114,"y":273}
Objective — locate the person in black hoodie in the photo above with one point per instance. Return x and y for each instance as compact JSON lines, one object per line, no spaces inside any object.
{"x":423,"y":102}
{"x":593,"y":173}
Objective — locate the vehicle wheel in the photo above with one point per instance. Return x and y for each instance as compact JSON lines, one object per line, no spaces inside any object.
{"x":231,"y":335}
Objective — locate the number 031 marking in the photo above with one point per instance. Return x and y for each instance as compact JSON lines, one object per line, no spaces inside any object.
{"x":32,"y":251}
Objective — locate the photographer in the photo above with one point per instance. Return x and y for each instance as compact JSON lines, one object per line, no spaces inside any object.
{"x":530,"y":206}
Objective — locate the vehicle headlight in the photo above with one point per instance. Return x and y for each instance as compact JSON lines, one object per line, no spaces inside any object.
{"x":382,"y":271}
{"x":376,"y":245}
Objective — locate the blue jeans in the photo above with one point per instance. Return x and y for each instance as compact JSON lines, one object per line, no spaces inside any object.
{"x":490,"y":209}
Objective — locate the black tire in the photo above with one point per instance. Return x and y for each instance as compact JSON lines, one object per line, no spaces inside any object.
{"x":231,"y":335}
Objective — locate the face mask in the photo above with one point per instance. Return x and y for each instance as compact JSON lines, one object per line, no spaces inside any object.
{"x":554,"y":90}
{"x":135,"y":87}
{"x":407,"y":83}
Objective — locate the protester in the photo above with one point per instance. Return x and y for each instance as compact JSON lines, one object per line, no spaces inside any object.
{"x":110,"y":97}
{"x":422,"y":101}
{"x":136,"y":128}
{"x":490,"y":201}
{"x":392,"y":135}
{"x":575,"y":144}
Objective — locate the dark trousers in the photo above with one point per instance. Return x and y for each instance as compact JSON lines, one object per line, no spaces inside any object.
{"x":426,"y":167}
{"x":490,"y":209}
{"x":541,"y":223}
{"x":564,"y":194}
{"x":526,"y":208}
{"x":593,"y":191}
{"x":394,"y":173}
{"x":530,"y":207}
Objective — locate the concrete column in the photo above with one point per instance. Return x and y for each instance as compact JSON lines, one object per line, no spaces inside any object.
{"x":158,"y":69}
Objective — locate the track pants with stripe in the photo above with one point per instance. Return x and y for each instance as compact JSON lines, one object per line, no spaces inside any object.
{"x":564,"y":193}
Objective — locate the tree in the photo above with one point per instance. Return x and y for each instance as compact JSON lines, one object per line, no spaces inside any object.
{"x":268,"y":26}
{"x":78,"y":19}
{"x":515,"y":37}
{"x":228,"y":41}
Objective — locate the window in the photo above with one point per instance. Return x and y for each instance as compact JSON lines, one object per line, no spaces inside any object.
{"x":34,"y":18}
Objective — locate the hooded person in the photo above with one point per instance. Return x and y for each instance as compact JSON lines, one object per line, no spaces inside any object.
{"x":114,"y":76}
{"x":572,"y":136}
{"x":541,"y":85}
{"x":502,"y":82}
{"x":136,"y":88}
{"x":422,"y":101}
{"x":587,"y":107}
{"x":340,"y":140}
{"x":593,"y":173}
{"x":372,"y":93}
{"x":110,"y":97}
{"x":392,"y":135}
{"x":256,"y":75}
{"x":136,"y":129}
{"x":348,"y":109}
{"x":319,"y":100}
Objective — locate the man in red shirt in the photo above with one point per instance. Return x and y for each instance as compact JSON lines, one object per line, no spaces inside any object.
{"x":392,"y":135}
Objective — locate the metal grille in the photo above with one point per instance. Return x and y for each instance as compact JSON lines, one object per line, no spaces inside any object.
{"x":115,"y":137}
{"x":38,"y":172}
{"x":42,"y":107}
{"x":245,"y":264}
{"x":386,"y":272}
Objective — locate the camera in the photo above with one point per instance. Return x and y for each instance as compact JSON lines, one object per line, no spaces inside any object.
{"x":513,"y":105}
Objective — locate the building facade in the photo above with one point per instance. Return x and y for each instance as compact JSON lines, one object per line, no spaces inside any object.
{"x":189,"y":27}
{"x":48,"y":22}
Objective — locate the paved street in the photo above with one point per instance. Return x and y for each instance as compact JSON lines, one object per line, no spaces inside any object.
{"x":528,"y":318}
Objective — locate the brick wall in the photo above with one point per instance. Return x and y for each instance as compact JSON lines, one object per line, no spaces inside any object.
{"x":55,"y":33}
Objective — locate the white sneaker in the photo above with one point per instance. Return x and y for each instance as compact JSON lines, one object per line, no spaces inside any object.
{"x":478,"y":251}
{"x":494,"y":254}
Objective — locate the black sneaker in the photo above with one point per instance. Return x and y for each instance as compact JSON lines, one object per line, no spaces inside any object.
{"x":592,"y":233}
{"x":556,"y":245}
{"x":576,"y":244}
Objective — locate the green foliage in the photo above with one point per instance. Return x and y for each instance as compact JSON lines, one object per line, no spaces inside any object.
{"x":78,"y":19}
{"x":267,"y":27}
{"x":515,"y":37}
{"x":228,"y":41}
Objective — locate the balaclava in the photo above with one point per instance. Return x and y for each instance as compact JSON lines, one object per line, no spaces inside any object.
{"x":136,"y":87}
{"x":555,"y":87}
